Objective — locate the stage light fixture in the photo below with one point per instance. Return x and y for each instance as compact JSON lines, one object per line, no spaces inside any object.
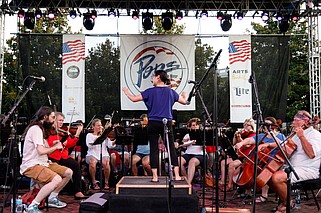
{"x":21,"y":13}
{"x":284,"y":26}
{"x":135,"y":15}
{"x":226,"y":22}
{"x":204,"y":14}
{"x":38,"y":13}
{"x":167,"y":20}
{"x":279,"y":16}
{"x":51,"y":13}
{"x":29,"y":20}
{"x":73,"y":14}
{"x":93,"y":14}
{"x":111,"y":13}
{"x":295,"y":16}
{"x":147,"y":20}
{"x":239,"y":15}
{"x":265,"y":15}
{"x":219,"y":15}
{"x":88,"y":21}
{"x":179,"y":15}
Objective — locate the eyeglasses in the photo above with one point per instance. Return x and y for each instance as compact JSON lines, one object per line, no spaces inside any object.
{"x":297,"y":120}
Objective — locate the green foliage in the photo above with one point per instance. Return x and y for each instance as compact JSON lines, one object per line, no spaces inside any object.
{"x":298,"y":82}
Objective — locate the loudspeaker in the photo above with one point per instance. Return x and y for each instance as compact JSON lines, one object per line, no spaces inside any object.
{"x":97,"y":203}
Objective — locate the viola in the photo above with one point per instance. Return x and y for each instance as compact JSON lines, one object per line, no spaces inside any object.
{"x":245,"y":151}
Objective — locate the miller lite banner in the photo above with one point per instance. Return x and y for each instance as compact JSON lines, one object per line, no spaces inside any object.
{"x":239,"y":75}
{"x":141,"y":55}
{"x":73,"y":77}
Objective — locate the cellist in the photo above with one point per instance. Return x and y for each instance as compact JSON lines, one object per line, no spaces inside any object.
{"x":267,"y":142}
{"x":305,"y":160}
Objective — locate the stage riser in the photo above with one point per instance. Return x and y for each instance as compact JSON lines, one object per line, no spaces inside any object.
{"x":152,"y":191}
{"x":139,"y":203}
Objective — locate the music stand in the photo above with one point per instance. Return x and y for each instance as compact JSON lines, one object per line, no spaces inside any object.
{"x":122,"y":138}
{"x":100,"y":141}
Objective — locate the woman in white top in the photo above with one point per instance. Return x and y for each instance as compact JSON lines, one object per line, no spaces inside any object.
{"x":194,"y":153}
{"x":93,"y":153}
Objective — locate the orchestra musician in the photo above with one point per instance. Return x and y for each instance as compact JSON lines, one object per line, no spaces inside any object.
{"x":194,"y":153}
{"x":305,"y":160}
{"x":267,"y":141}
{"x":159,"y":101}
{"x":94,"y":151}
{"x":248,"y":130}
{"x":61,"y":156}
{"x":35,"y":163}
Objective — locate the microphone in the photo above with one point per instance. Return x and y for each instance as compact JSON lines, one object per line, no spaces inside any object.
{"x":41,"y":78}
{"x":191,"y":82}
{"x":164,"y":121}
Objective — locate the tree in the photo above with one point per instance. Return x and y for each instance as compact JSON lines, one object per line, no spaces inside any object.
{"x":298,"y":82}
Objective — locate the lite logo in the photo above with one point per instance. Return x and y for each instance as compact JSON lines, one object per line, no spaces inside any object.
{"x":151,"y":56}
{"x":241,"y":91}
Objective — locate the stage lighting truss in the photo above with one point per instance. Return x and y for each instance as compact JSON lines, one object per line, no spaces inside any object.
{"x":167,"y":20}
{"x":29,"y":20}
{"x":135,"y":15}
{"x":179,"y":15}
{"x":147,"y":20}
{"x":226,"y":22}
{"x":73,"y":13}
{"x":88,"y":21}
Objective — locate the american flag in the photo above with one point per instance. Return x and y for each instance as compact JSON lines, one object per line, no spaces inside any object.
{"x":73,"y":51}
{"x":239,"y":51}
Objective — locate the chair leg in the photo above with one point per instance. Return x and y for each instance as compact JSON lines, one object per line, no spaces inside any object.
{"x":315,"y":199}
{"x":318,"y":192}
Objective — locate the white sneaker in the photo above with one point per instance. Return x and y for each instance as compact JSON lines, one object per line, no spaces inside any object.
{"x":56,"y":203}
{"x":33,"y":208}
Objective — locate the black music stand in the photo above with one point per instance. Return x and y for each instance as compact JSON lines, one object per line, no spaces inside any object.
{"x":122,"y":138}
{"x":100,"y":141}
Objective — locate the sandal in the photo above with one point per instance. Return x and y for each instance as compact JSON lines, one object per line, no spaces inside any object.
{"x":95,"y":186}
{"x":282,"y":208}
{"x":261,"y":199}
{"x":106,"y":187}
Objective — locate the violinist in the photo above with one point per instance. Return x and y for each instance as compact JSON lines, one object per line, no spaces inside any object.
{"x":61,"y":156}
{"x":267,"y":141}
{"x":94,"y":151}
{"x":247,"y":131}
{"x":305,"y":160}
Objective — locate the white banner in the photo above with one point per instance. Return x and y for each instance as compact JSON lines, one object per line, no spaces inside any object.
{"x":141,"y":55}
{"x":239,"y":74}
{"x":73,"y":77}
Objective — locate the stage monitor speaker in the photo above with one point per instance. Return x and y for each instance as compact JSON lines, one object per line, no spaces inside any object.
{"x":97,"y":203}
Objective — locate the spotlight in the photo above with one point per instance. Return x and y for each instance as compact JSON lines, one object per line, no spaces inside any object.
{"x":265,"y":15}
{"x":89,"y":21}
{"x":21,"y":13}
{"x":204,"y":14}
{"x":51,"y":13}
{"x":279,"y":16}
{"x":135,"y":15}
{"x":93,"y":14}
{"x":240,"y":15}
{"x":38,"y":13}
{"x":73,"y":14}
{"x":112,"y":13}
{"x":284,"y":26}
{"x":167,"y":20}
{"x":219,"y":15}
{"x":295,"y":16}
{"x":226,"y":22}
{"x":29,"y":20}
{"x":147,"y":20}
{"x":179,"y":15}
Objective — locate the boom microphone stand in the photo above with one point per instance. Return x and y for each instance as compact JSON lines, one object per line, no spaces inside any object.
{"x":195,"y":90}
{"x":14,"y":150}
{"x":170,"y":167}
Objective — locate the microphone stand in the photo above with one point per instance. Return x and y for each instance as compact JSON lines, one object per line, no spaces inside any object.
{"x":14,"y":147}
{"x":170,"y":167}
{"x":259,"y":119}
{"x":195,"y":90}
{"x":288,"y":171}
